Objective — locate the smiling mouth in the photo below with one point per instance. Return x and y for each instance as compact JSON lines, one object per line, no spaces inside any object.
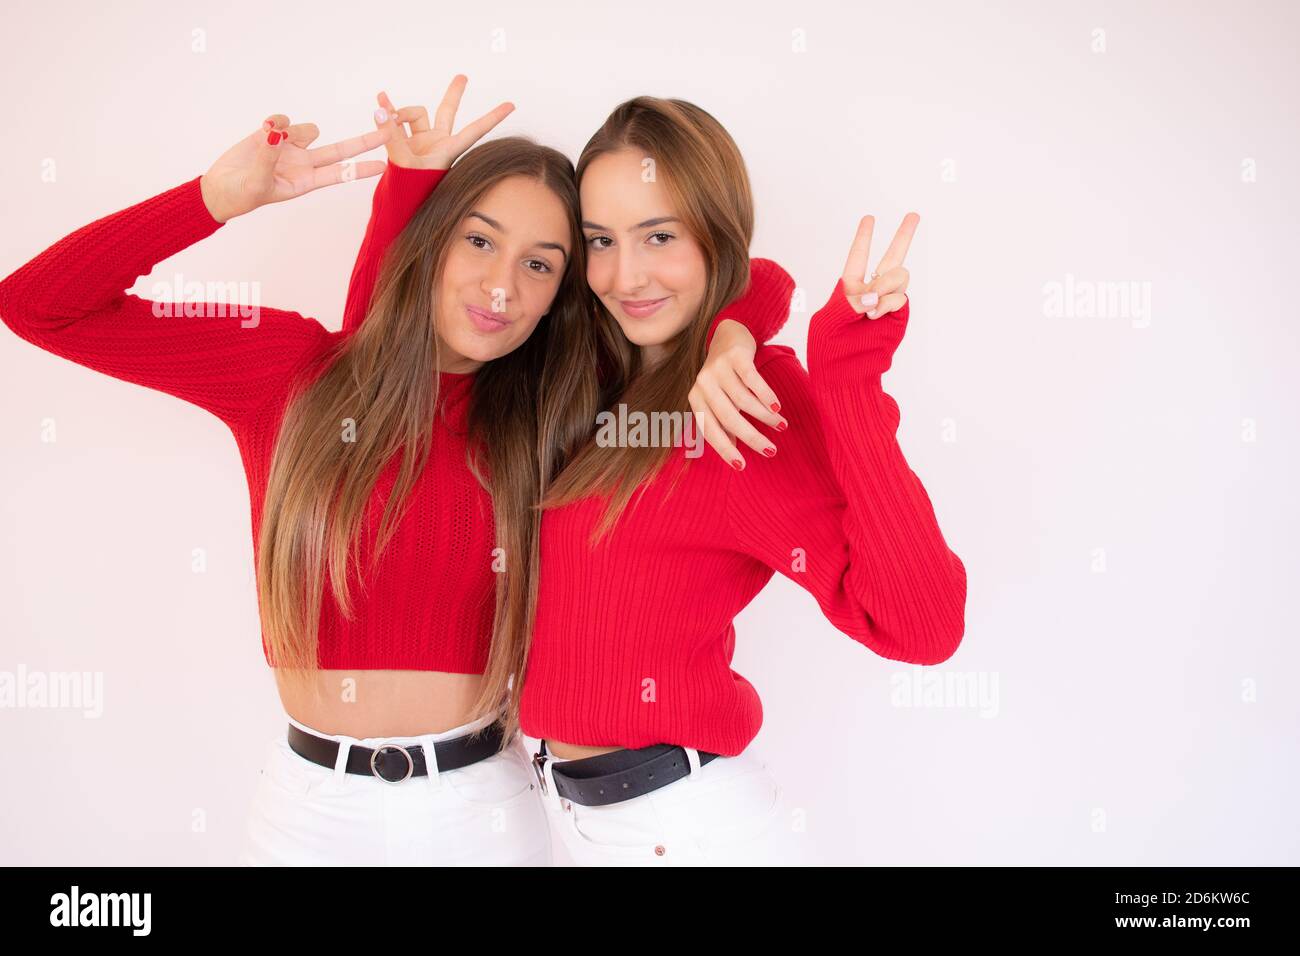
{"x":640,"y":308}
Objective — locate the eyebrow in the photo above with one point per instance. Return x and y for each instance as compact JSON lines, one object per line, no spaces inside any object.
{"x":588,"y":224}
{"x":474,"y":213}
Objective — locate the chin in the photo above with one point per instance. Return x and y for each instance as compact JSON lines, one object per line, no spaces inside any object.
{"x":641,"y":336}
{"x":646,"y":332}
{"x":480,"y":348}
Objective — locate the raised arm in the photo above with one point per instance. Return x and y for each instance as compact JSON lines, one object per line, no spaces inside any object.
{"x":398,"y":195}
{"x":223,"y":356}
{"x":838,"y":510}
{"x":419,"y":156}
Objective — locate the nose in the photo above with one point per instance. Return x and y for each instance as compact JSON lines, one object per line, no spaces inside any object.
{"x":630,"y":278}
{"x":498,"y":284}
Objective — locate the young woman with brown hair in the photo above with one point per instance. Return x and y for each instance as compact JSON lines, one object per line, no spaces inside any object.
{"x":392,"y":469}
{"x":646,"y":556}
{"x":360,"y":453}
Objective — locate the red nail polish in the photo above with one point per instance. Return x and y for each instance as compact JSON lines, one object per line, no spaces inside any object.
{"x":782,"y":426}
{"x":272,"y":138}
{"x":776,"y":406}
{"x":769,"y":452}
{"x":267,"y":124}
{"x":737,"y":464}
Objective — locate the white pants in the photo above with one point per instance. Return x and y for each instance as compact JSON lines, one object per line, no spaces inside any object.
{"x":729,"y":812}
{"x":489,"y":813}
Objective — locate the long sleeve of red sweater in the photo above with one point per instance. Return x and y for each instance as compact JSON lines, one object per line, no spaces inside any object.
{"x":837,"y":509}
{"x":399,"y":194}
{"x":763,"y":307}
{"x":70,"y":300}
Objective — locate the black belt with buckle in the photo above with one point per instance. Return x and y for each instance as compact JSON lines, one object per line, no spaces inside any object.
{"x":618,"y":775}
{"x":395,"y":763}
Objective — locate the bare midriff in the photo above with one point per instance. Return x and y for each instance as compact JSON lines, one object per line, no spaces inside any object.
{"x":380,"y":703}
{"x":575,"y":751}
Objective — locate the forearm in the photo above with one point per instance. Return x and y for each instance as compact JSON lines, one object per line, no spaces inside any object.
{"x":764,"y":307}
{"x":901,"y":568}
{"x":90,"y":269}
{"x":399,"y":194}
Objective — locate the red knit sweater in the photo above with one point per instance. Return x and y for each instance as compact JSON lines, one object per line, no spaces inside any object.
{"x":430,"y":603}
{"x":633,"y":640}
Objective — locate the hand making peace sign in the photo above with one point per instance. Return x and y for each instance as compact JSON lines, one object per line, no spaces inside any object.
{"x":274,"y":164}
{"x":422,"y":147}
{"x":886,"y":290}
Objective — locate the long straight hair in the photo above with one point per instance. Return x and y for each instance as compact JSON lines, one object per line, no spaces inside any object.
{"x":385,"y":379}
{"x":702,"y":170}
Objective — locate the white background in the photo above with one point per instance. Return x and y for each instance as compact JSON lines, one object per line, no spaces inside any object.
{"x":1117,"y":487}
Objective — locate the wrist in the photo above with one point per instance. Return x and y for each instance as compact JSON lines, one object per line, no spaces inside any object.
{"x":210,"y":202}
{"x":845,"y":346}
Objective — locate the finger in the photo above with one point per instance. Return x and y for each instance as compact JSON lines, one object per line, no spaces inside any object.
{"x":476,"y":130}
{"x":417,"y":116}
{"x":444,"y":118}
{"x":390,"y":120}
{"x":767,"y":405}
{"x":729,"y":417}
{"x":855,"y":267}
{"x":394,"y":114}
{"x":386,"y":120}
{"x":302,"y":134}
{"x":345,"y":173}
{"x":897,"y":251}
{"x":347,"y":148}
{"x":269,"y":138}
{"x":889,"y":303}
{"x":895,"y":280}
{"x":713,"y":433}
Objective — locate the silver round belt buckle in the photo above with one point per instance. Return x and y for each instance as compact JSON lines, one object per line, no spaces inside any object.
{"x":410,"y":763}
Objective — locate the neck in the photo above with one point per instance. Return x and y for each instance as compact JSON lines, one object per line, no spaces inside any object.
{"x":453,"y":363}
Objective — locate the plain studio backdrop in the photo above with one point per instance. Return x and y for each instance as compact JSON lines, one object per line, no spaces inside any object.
{"x":1096,"y":390}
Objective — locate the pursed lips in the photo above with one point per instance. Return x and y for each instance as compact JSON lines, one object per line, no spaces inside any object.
{"x":486,"y":320}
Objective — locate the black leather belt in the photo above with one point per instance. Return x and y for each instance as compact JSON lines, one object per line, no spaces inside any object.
{"x":395,"y":763}
{"x":618,"y":775}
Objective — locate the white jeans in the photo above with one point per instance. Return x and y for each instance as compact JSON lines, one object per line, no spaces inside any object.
{"x":729,"y":812}
{"x":488,"y":813}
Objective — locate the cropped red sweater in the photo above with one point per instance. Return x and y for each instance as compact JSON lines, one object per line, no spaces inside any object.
{"x":633,"y":639}
{"x":430,"y":602}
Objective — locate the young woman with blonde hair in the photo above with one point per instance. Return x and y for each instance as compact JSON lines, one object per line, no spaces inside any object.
{"x":646,"y":556}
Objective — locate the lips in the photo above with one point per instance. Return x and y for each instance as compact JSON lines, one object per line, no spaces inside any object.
{"x":640,"y":308}
{"x":485,"y":321}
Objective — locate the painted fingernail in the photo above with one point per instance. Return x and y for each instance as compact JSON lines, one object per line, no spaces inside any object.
{"x":870,"y":299}
{"x":776,"y":406}
{"x":737,"y":464}
{"x":267,"y":124}
{"x":381,"y":115}
{"x":782,"y":425}
{"x":273,"y":138}
{"x":769,"y":452}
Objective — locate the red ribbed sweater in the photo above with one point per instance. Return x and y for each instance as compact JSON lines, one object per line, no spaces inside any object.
{"x":429,"y":604}
{"x":634,"y":639}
